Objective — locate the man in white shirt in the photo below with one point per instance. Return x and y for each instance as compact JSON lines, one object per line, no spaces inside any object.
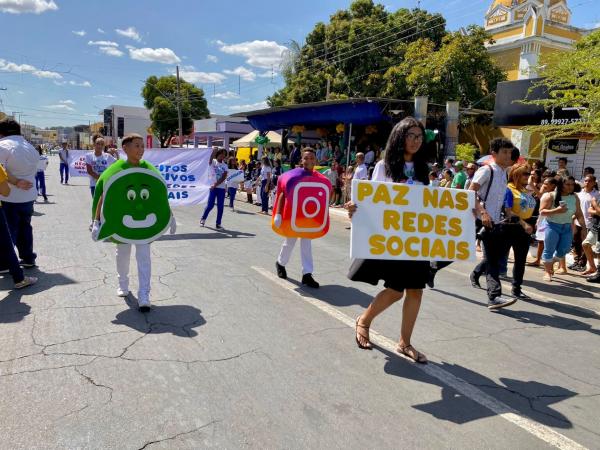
{"x":20,"y":160}
{"x":587,"y":194}
{"x":489,"y":183}
{"x":63,"y":155}
{"x":362,"y":171}
{"x":97,"y":162}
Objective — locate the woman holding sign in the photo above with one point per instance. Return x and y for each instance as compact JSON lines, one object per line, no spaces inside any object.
{"x":404,"y":162}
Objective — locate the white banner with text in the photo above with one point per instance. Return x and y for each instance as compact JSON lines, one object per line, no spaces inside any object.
{"x":185,"y":171}
{"x":412,"y":222}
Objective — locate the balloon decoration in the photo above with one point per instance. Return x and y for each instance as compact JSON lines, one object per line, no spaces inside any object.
{"x":298,"y":129}
{"x":262,"y":140}
{"x":322,"y":132}
{"x":339,"y":128}
{"x":429,"y":136}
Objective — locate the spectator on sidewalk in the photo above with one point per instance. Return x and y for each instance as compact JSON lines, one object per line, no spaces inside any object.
{"x":361,"y":172}
{"x":590,"y":243}
{"x":266,"y":172}
{"x":471,"y":169}
{"x":562,"y":170}
{"x":587,"y":194}
{"x":460,"y":178}
{"x":334,"y":177}
{"x":9,"y":263}
{"x":20,"y":160}
{"x":369,"y":156}
{"x":559,"y":207}
{"x":446,"y":180}
{"x":63,"y":155}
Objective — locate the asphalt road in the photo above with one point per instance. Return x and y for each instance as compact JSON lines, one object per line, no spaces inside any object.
{"x":232,"y":357}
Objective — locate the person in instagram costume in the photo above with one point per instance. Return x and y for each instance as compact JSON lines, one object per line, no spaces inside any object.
{"x":301,"y":211}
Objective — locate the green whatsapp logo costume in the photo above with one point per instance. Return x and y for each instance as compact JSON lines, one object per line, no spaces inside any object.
{"x":135,"y":208}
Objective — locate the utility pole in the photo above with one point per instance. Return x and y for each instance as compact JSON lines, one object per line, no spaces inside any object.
{"x":179,"y":111}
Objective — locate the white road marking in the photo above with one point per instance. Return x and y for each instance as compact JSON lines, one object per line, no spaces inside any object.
{"x":534,"y":295}
{"x":538,"y":430}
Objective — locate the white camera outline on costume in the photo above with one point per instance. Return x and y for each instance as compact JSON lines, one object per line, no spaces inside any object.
{"x":295,"y":206}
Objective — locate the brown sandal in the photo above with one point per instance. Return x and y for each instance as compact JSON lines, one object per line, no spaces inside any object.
{"x":364,"y":347}
{"x":417,"y":356}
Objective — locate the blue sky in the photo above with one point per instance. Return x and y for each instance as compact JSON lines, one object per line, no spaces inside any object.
{"x":72,"y":58}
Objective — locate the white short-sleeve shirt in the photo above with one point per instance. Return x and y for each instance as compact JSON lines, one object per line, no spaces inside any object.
{"x":21,"y":160}
{"x":99,"y":163}
{"x":497,"y":191}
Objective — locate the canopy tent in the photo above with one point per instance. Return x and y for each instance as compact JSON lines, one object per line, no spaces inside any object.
{"x":248,"y":140}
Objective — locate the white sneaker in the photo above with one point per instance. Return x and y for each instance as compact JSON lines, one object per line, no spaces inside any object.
{"x":144,"y":304}
{"x":122,"y":292}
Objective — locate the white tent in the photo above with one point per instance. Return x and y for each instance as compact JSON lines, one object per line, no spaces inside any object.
{"x":248,"y":140}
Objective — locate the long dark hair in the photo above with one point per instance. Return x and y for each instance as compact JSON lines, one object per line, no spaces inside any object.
{"x":394,"y":153}
{"x":560,"y":181}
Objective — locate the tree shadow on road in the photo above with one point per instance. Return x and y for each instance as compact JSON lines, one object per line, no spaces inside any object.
{"x":179,"y":320}
{"x":225,"y":234}
{"x":12,"y":309}
{"x":528,"y":398}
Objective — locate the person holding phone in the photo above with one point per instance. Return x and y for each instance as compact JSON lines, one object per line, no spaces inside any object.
{"x":558,"y":208}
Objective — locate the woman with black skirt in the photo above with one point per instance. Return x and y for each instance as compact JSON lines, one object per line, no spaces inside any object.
{"x":405,"y":162}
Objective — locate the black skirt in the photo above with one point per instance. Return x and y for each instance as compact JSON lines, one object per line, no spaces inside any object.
{"x":397,"y":275}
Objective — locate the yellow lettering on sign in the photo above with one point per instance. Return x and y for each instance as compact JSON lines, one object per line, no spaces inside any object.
{"x":401,"y":191}
{"x":462,"y":201}
{"x":463,"y":250}
{"x":438,"y":250}
{"x":430,"y":197}
{"x":455,"y":228}
{"x":391,"y":219}
{"x":425,"y":247}
{"x":382,"y":195}
{"x":409,"y":250}
{"x":408,"y":221}
{"x":364,"y":190}
{"x":377,"y":244}
{"x":394,"y":246}
{"x":451,"y":249}
{"x":440,"y":225}
{"x":447,"y":200}
{"x":425,"y":223}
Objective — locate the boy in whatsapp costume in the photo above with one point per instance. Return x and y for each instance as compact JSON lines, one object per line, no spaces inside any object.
{"x":130,"y":207}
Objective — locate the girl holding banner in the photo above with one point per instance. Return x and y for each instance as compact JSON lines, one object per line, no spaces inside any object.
{"x":405,"y":162}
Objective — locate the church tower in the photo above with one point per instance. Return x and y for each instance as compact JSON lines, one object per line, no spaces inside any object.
{"x":523,"y":31}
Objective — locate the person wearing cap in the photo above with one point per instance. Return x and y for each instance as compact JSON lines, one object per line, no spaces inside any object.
{"x":460,"y":178}
{"x":471,"y":169}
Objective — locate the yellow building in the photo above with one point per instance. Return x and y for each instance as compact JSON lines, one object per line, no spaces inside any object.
{"x":524,"y":32}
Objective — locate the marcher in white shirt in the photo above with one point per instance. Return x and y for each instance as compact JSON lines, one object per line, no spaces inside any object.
{"x":20,"y":160}
{"x":587,"y":194}
{"x":63,"y":155}
{"x":362,"y":171}
{"x":97,"y":162}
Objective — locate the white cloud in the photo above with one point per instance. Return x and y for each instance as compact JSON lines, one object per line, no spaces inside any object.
{"x":104,"y":96}
{"x":248,"y":107}
{"x":20,"y":92}
{"x":228,"y":95}
{"x":103,"y":43}
{"x":111,"y":51}
{"x":264,"y":54}
{"x":130,"y":33}
{"x":27,"y":6}
{"x":159,"y":55}
{"x":130,"y":47}
{"x":7,"y":66}
{"x":100,"y":30}
{"x":67,"y":102}
{"x":81,"y":84}
{"x":61,"y":106}
{"x":202,"y":77}
{"x":212,"y":58}
{"x":267,"y":74}
{"x":245,"y":74}
{"x":79,"y":33}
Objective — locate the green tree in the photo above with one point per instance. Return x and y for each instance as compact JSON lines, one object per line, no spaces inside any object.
{"x":465,"y":152}
{"x":572,"y":81}
{"x":366,"y":51}
{"x":160,"y":96}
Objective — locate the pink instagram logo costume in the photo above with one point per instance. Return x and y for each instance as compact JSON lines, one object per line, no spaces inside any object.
{"x":306,"y":208}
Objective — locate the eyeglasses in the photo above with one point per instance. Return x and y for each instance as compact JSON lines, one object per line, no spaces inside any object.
{"x":414,"y":137}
